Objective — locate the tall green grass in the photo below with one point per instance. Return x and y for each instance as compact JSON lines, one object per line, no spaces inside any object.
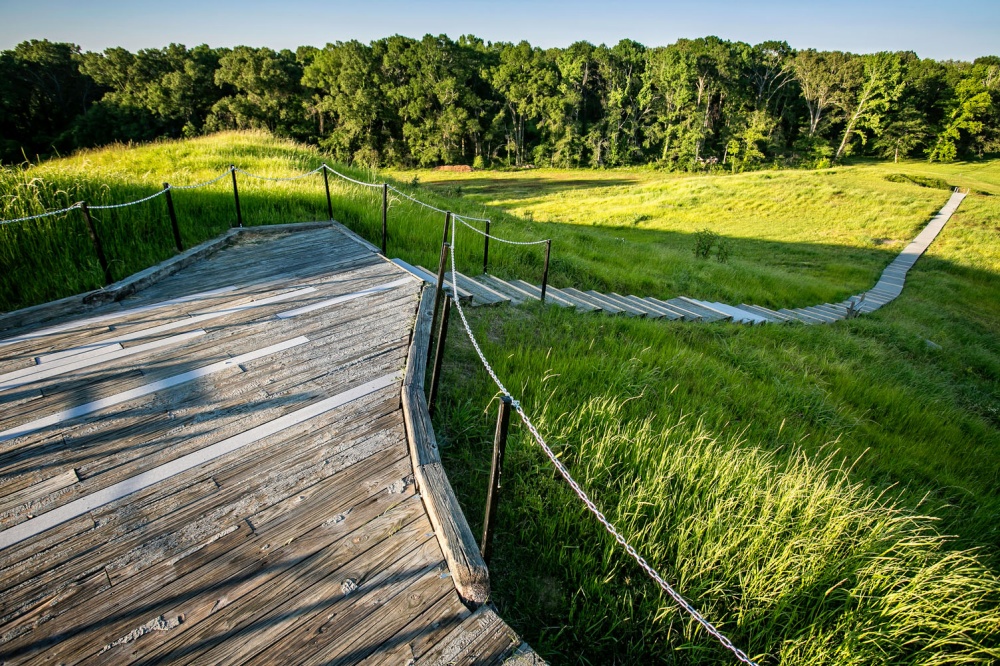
{"x":794,"y":482}
{"x":53,"y":257}
{"x":797,"y":547}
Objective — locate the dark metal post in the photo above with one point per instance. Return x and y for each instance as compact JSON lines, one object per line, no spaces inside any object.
{"x":545,"y":271}
{"x":439,"y":355}
{"x":385,"y":214}
{"x":447,"y":224}
{"x":173,"y":217}
{"x":440,"y":285}
{"x":96,"y":240}
{"x":496,"y":476}
{"x":326,"y":184}
{"x":236,"y":195}
{"x":486,"y":248}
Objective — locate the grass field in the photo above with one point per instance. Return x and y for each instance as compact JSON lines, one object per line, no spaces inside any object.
{"x":794,"y":482}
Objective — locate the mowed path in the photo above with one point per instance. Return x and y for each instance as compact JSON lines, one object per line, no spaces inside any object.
{"x":216,"y":471}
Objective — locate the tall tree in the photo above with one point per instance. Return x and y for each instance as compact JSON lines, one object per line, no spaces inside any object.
{"x":867,"y":101}
{"x":526,"y":79}
{"x":41,"y":92}
{"x":267,"y":91}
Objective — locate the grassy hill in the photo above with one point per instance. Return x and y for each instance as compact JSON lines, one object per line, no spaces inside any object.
{"x":794,"y":482}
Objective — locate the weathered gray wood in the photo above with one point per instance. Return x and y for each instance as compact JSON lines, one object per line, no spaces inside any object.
{"x":685,"y":313}
{"x":655,"y":308}
{"x":611,"y":304}
{"x":454,"y":535}
{"x":551,"y":294}
{"x":214,"y":563}
{"x":515,"y":295}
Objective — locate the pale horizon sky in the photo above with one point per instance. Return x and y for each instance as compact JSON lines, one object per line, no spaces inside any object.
{"x":848,"y":25}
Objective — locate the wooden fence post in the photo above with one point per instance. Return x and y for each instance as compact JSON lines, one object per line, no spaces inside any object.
{"x":545,"y":271}
{"x":447,"y":225}
{"x":326,"y":184}
{"x":486,"y":248}
{"x":385,"y":214}
{"x":236,"y":195}
{"x":173,"y":217}
{"x":439,"y":355}
{"x":96,"y":241}
{"x":496,"y":476}
{"x":440,"y":285}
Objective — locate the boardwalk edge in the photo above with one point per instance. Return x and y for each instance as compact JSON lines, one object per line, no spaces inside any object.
{"x":468,"y":569}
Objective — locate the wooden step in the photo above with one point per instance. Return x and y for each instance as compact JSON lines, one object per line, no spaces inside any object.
{"x":707,"y":313}
{"x":771,"y":315}
{"x":466,"y":296}
{"x":820,"y":313}
{"x":666,"y":311}
{"x":687,"y":314}
{"x":481,"y":294}
{"x":551,"y":295}
{"x":581,"y":297}
{"x":625,"y":309}
{"x":582,"y":306}
{"x":429,"y":278}
{"x":516,"y":295}
{"x":738,"y":315}
{"x":646,"y":309}
{"x":802,"y":316}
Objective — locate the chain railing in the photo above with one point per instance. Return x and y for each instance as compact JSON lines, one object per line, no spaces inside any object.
{"x":509,"y":402}
{"x":447,"y":260}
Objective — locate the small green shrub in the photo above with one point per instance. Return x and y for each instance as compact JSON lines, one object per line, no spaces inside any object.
{"x":703,"y":242}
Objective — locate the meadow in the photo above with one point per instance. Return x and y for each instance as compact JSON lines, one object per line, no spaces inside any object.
{"x":825,"y":494}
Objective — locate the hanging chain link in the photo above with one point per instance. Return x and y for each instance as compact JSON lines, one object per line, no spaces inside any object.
{"x":130,"y":203}
{"x":348,"y":178}
{"x":278,"y":180}
{"x":40,"y":215}
{"x":666,"y":587}
{"x":497,"y":238}
{"x":207,"y":182}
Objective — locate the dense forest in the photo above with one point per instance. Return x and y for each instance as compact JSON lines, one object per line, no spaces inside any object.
{"x":695,"y":104}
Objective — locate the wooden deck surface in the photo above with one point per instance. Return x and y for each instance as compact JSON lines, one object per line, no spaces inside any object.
{"x":215,"y":470}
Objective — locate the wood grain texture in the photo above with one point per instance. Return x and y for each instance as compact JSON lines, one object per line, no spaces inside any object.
{"x":450,"y":525}
{"x":289,"y":528}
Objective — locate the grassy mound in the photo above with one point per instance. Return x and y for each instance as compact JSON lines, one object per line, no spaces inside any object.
{"x":794,"y":482}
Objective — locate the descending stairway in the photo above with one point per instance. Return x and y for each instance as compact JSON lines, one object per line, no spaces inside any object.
{"x":491,"y":290}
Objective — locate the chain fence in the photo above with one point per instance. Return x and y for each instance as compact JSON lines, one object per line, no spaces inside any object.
{"x":41,"y":215}
{"x":580,"y":493}
{"x":465,"y":219}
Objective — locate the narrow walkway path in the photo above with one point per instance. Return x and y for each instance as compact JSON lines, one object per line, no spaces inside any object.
{"x":216,"y":470}
{"x":490,"y":290}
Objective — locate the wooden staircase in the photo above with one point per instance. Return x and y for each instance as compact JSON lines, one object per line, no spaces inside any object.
{"x":491,"y":290}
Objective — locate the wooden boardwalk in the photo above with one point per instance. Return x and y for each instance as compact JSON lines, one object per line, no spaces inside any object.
{"x":490,"y":290}
{"x":216,"y":470}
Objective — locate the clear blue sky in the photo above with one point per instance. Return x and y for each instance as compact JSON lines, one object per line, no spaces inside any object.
{"x":931,"y":28}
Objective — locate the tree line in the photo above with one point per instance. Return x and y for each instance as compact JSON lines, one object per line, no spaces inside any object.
{"x":696,"y":104}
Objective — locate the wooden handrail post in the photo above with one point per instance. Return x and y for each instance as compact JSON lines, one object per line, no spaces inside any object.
{"x":326,"y":185}
{"x":439,"y":355}
{"x":173,"y":217}
{"x":496,"y":476}
{"x":236,"y":196}
{"x":545,"y":271}
{"x":486,"y":248}
{"x":385,"y":215}
{"x":447,"y":225}
{"x":96,"y":241}
{"x":440,"y":285}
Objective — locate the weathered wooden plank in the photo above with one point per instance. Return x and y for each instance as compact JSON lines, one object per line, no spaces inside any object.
{"x":482,"y":638}
{"x":35,"y":492}
{"x":258,"y":617}
{"x":275,"y":542}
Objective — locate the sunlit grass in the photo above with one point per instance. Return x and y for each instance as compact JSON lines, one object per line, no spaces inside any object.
{"x":794,"y":482}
